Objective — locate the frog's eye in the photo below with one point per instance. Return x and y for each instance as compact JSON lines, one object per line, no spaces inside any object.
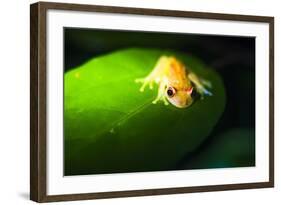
{"x":171,"y":91}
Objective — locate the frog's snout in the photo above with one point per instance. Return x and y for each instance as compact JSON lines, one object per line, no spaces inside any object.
{"x":181,"y":99}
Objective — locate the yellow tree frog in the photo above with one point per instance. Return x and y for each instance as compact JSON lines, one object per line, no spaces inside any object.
{"x":176,"y":82}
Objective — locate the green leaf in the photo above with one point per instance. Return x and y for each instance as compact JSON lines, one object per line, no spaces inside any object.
{"x":233,"y":148}
{"x":110,"y":126}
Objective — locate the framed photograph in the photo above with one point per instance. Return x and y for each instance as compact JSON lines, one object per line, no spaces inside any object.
{"x":134,"y":102}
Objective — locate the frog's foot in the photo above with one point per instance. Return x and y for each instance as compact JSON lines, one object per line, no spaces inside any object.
{"x":204,"y":92}
{"x":145,"y":82}
{"x":206,"y":83}
{"x":161,"y":95}
{"x":155,"y":101}
{"x":165,"y":101}
{"x":200,"y":84}
{"x":160,"y":99}
{"x":207,"y":92}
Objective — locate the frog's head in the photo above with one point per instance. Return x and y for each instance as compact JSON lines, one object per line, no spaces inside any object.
{"x":180,"y":98}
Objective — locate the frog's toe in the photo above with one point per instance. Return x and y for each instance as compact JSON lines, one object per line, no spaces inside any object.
{"x":206,"y":82}
{"x":139,"y":80}
{"x":155,"y":101}
{"x":165,"y":101}
{"x":207,"y":92}
{"x":143,"y":87}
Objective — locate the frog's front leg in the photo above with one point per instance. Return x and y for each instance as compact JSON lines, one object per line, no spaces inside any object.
{"x":199,"y":84}
{"x":156,"y":74}
{"x":161,"y":94}
{"x":145,"y":81}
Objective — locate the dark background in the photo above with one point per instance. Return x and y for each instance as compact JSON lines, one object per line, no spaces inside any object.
{"x":232,"y":57}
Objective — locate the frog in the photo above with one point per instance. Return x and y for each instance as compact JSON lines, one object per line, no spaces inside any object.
{"x":177,"y":83}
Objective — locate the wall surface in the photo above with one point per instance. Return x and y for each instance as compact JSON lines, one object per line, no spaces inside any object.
{"x":14,"y":103}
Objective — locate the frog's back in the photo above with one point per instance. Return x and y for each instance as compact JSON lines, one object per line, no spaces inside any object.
{"x":177,"y":73}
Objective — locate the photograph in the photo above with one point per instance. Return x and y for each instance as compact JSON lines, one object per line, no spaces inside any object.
{"x":135,"y":102}
{"x":143,"y":101}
